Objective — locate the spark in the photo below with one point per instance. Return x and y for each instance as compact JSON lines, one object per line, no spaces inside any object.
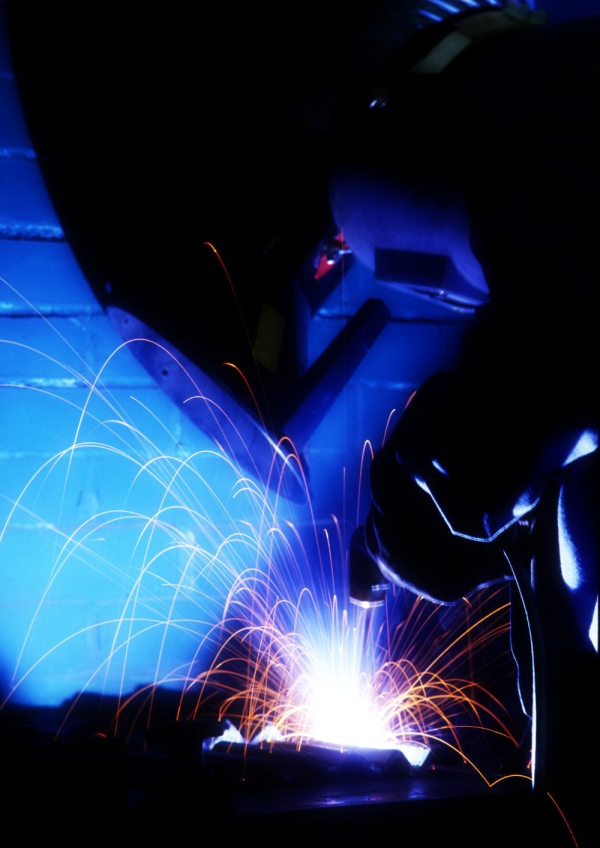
{"x":295,"y":664}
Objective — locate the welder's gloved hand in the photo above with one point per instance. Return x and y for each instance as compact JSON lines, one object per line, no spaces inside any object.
{"x":434,"y":526}
{"x":407,"y":536}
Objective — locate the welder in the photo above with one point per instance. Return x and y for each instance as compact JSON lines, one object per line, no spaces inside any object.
{"x":491,"y":472}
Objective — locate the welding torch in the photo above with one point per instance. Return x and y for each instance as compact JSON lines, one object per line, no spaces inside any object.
{"x":368,"y":586}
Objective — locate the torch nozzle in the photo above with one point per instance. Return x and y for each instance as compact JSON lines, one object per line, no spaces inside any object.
{"x":368,"y":586}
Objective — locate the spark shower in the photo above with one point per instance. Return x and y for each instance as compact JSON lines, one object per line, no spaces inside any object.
{"x":142,"y":556}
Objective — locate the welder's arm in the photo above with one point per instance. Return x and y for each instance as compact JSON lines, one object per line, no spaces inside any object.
{"x":462,"y":466}
{"x":428,"y":530}
{"x":408,"y":537}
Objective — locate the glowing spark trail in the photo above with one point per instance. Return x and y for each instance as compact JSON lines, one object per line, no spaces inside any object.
{"x":294,"y":665}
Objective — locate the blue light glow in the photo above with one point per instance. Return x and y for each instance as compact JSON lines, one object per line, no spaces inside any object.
{"x":448,"y":7}
{"x":593,"y":634}
{"x":415,"y":754}
{"x":439,"y":467}
{"x":570,"y":566}
{"x":586,"y":444}
{"x":430,"y":15}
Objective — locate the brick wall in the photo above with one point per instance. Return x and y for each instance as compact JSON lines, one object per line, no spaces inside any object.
{"x":71,"y":509}
{"x":112,"y":504}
